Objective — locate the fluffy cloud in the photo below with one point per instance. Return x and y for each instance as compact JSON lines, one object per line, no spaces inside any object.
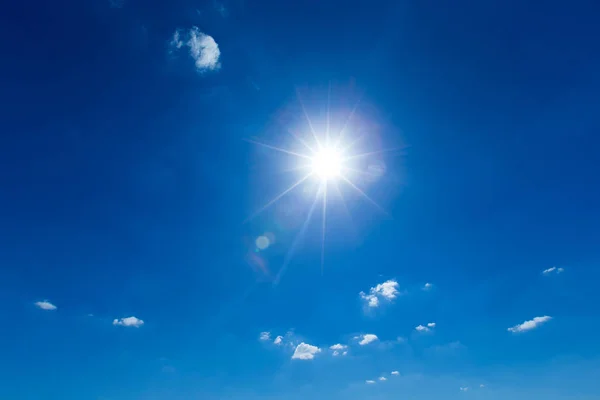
{"x":427,"y":286}
{"x":278,"y":340}
{"x":129,"y":321}
{"x":553,"y":270}
{"x":203,"y":48}
{"x":369,"y":382}
{"x":431,"y":325}
{"x":264,"y":336}
{"x":305,"y":351}
{"x":367,"y":338}
{"x":387,"y":290}
{"x":395,"y":373}
{"x":45,"y":305}
{"x":464,"y":389}
{"x":382,"y":378}
{"x":529,"y":325}
{"x":338,"y":347}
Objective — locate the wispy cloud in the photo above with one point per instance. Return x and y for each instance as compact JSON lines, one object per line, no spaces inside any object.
{"x":116,"y":3}
{"x":278,"y":340}
{"x":366,"y":339}
{"x":338,"y":347}
{"x":45,"y":305}
{"x":423,"y":328}
{"x":202,"y":47}
{"x":129,"y":322}
{"x":387,"y":290}
{"x":553,"y":270}
{"x":305,"y":351}
{"x":395,"y":373}
{"x":464,"y":389}
{"x":529,"y":325}
{"x":369,"y":382}
{"x":220,"y":8}
{"x":382,"y":378}
{"x":427,"y":286}
{"x":264,"y":336}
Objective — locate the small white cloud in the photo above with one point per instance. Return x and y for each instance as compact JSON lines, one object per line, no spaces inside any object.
{"x":344,"y":353}
{"x":336,"y":353}
{"x":264,"y":336}
{"x":464,"y":389}
{"x":129,"y":321}
{"x":382,"y":378}
{"x":482,"y":385}
{"x":278,"y":340}
{"x":553,"y":270}
{"x":203,"y":48}
{"x":431,"y":325}
{"x":395,"y":373}
{"x":427,"y":286}
{"x":45,"y":305}
{"x":387,"y":290}
{"x":367,"y":338}
{"x":305,"y":351}
{"x":421,"y":328}
{"x":369,"y":382}
{"x":338,"y":347}
{"x":529,"y":325}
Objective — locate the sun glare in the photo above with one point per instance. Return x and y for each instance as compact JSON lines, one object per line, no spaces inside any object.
{"x":331,"y":158}
{"x":327,"y":164}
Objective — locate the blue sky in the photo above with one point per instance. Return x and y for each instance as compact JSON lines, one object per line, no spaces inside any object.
{"x":134,"y":152}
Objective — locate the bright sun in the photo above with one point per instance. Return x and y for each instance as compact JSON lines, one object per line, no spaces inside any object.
{"x":327,"y":163}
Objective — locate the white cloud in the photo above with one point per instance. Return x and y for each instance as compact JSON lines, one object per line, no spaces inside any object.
{"x":264,"y":336}
{"x":336,"y":353}
{"x":553,"y":270}
{"x":305,"y":351}
{"x":422,"y":328}
{"x":395,"y":373}
{"x":529,"y":325}
{"x":382,"y":378}
{"x":129,"y":321}
{"x":344,"y":353}
{"x":369,"y":382}
{"x":427,"y":286}
{"x":45,"y":305}
{"x":203,"y":48}
{"x":464,"y":389}
{"x":278,"y":340}
{"x":482,"y":385}
{"x":387,"y":290}
{"x":431,"y":325}
{"x":367,"y":338}
{"x":338,"y":347}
